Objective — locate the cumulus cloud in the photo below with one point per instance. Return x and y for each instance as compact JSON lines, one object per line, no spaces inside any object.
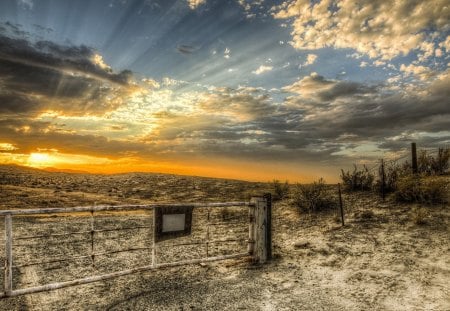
{"x":422,"y":72}
{"x":261,"y":69}
{"x":376,"y":28}
{"x":193,"y":4}
{"x":226,"y":53}
{"x":310,"y":59}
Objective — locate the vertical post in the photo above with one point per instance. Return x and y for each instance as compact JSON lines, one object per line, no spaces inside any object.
{"x":383,"y":180}
{"x":268,"y":198}
{"x":341,"y":205}
{"x":154,"y":239}
{"x":207,"y":232}
{"x":92,"y":236}
{"x":414,"y":158}
{"x":261,"y":225}
{"x":8,"y":255}
{"x":251,"y":227}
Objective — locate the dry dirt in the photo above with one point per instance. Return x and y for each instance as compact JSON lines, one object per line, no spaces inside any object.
{"x":380,"y":260}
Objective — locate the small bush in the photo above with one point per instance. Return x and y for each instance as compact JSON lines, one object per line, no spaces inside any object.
{"x":440,"y":164}
{"x":392,"y":173}
{"x":429,"y":165}
{"x":417,"y":188}
{"x":359,"y":179}
{"x":419,"y":216}
{"x":313,"y":197}
{"x":280,"y":191}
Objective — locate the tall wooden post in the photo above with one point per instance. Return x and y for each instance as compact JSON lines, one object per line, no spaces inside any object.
{"x":414,"y":158}
{"x":260,"y":229}
{"x":268,"y":198}
{"x":8,"y":255}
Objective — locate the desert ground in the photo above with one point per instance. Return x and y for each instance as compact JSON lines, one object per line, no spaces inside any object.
{"x":380,"y":260}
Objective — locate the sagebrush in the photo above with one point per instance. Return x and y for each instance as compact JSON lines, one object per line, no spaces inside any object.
{"x":280,"y":190}
{"x":313,"y":197}
{"x":421,"y":189}
{"x":359,"y":179}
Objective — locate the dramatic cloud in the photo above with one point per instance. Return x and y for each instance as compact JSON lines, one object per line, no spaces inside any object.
{"x":69,"y":79}
{"x":304,"y":84}
{"x":376,"y":28}
{"x":333,"y":109}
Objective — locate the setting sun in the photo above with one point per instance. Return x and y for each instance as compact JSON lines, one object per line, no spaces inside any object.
{"x":39,"y":160}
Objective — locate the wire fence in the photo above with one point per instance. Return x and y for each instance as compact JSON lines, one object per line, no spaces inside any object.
{"x":401,"y":160}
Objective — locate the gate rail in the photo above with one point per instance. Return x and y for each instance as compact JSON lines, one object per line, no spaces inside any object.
{"x":259,"y":239}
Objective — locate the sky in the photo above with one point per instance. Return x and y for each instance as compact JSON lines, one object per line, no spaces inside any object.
{"x":253,"y":90}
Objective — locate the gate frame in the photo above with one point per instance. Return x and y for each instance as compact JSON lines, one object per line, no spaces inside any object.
{"x":259,"y":242}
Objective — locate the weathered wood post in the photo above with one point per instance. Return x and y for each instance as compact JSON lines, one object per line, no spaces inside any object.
{"x":260,"y":229}
{"x":8,"y":255}
{"x":268,"y":198}
{"x":414,"y":158}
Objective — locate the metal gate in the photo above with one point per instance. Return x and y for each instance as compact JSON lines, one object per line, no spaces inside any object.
{"x":164,"y":227}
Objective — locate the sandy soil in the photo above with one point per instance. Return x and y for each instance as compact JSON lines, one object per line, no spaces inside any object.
{"x":380,"y":260}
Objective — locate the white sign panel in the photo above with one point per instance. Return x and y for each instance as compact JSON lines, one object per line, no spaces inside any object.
{"x":173,"y":222}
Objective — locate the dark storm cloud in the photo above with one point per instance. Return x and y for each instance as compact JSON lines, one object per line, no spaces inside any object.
{"x":48,"y":76}
{"x":345,"y":89}
{"x":322,"y":119}
{"x":58,"y":57}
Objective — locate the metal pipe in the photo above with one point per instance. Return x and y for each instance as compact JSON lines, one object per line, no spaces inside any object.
{"x":48,"y":287}
{"x":101,"y":208}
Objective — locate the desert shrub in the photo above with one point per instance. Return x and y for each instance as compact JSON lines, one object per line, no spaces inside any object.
{"x":417,"y":188}
{"x":440,"y":163}
{"x":431,"y":165}
{"x":419,"y":215}
{"x":280,"y":191}
{"x":313,"y":197}
{"x":359,"y":179}
{"x":392,"y":173}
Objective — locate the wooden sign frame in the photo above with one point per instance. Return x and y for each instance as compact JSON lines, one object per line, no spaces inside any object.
{"x":160,"y":211}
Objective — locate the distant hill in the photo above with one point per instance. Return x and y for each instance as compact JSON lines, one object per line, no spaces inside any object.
{"x":64,"y":170}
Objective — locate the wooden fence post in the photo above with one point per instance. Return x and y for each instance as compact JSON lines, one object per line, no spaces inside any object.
{"x":414,"y":158}
{"x":8,"y":255}
{"x":251,"y":226}
{"x":268,"y":198}
{"x":260,"y":230}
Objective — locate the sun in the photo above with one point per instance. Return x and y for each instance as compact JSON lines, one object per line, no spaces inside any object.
{"x":39,"y":159}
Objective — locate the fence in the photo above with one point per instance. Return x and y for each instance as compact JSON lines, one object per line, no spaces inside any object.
{"x":258,"y":236}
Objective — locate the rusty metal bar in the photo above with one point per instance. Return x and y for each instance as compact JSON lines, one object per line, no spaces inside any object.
{"x":48,"y":287}
{"x":103,"y":208}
